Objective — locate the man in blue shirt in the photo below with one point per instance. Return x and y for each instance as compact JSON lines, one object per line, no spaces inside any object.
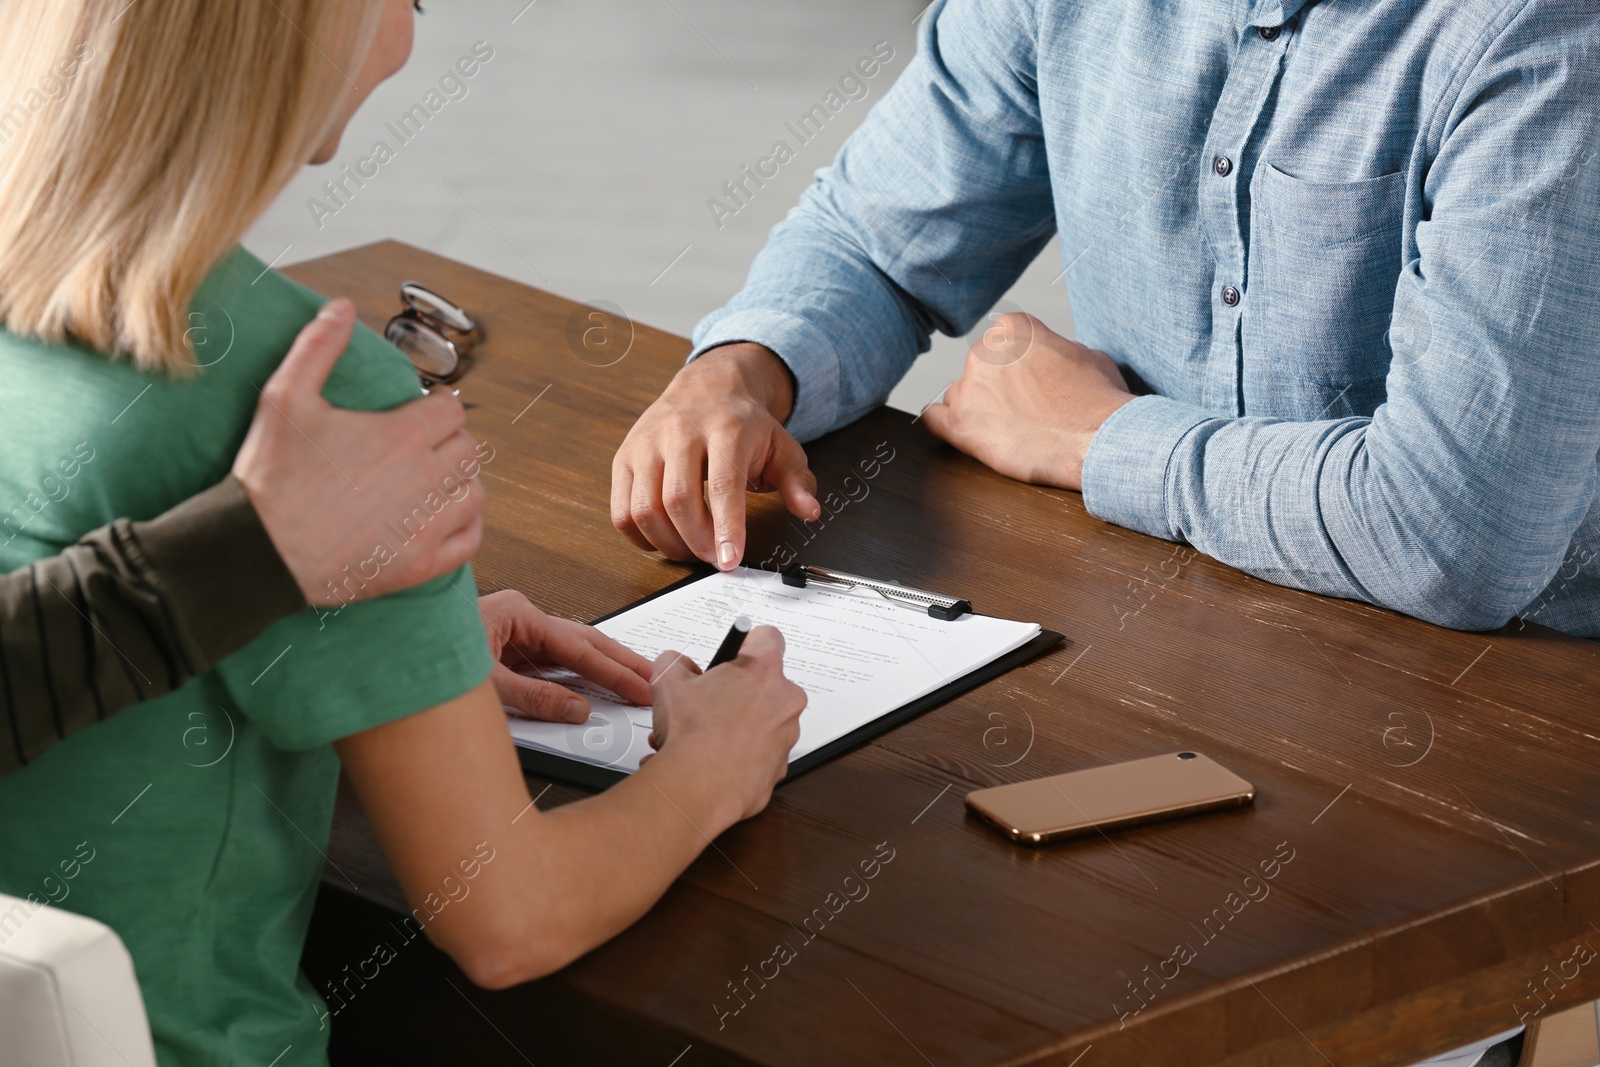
{"x":1335,"y":268}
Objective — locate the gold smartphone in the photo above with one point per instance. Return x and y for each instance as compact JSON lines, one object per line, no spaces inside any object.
{"x":1122,"y":794}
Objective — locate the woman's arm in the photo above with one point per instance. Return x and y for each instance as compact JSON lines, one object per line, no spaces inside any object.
{"x":446,"y":795}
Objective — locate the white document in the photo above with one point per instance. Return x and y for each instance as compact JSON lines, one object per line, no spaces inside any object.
{"x":857,"y":656}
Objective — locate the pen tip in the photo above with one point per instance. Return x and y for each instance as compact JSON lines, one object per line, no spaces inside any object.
{"x":743,"y":624}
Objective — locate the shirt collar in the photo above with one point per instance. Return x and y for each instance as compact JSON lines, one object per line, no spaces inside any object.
{"x":1274,"y":12}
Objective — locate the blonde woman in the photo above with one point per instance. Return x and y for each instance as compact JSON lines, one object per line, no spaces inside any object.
{"x":149,"y":137}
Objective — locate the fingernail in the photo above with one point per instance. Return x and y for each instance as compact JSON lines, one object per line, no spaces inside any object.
{"x":335,"y":309}
{"x":573,"y":710}
{"x":726,"y":554}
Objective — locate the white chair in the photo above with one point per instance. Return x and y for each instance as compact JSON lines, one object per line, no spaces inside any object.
{"x":68,"y":995}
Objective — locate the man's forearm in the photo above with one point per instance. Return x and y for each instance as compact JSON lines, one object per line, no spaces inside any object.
{"x":844,"y":332}
{"x":1384,"y":511}
{"x":936,"y":204}
{"x":132,"y":612}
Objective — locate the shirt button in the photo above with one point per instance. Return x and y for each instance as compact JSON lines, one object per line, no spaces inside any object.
{"x":1270,"y":33}
{"x":1223,"y":166}
{"x":1230,"y":295}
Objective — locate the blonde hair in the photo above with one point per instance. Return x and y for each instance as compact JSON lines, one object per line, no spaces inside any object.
{"x":139,"y":141}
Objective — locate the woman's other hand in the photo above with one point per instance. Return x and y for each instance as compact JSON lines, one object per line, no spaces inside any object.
{"x":523,"y":637}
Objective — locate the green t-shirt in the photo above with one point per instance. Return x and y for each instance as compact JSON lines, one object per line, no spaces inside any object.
{"x":195,"y":825}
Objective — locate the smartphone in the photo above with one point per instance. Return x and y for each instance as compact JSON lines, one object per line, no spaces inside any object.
{"x":1122,"y":794}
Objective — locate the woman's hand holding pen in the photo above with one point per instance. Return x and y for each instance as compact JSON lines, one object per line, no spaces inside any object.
{"x":738,"y":721}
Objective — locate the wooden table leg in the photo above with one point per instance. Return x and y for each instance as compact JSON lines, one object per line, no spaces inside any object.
{"x":1565,"y":1039}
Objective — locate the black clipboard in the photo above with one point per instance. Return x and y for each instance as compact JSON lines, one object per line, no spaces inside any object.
{"x":549,"y":766}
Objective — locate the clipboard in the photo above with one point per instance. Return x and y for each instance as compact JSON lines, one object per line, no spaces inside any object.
{"x":552,"y":767}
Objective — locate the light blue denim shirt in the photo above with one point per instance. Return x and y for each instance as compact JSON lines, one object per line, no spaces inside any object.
{"x":1350,"y":249}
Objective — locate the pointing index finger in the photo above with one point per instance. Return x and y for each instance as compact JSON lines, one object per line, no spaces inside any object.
{"x":725,"y":491}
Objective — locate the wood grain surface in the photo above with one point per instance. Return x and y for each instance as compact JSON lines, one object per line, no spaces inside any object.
{"x":1427,"y":800}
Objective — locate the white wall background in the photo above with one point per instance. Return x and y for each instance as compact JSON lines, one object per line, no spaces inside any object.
{"x":581,"y":157}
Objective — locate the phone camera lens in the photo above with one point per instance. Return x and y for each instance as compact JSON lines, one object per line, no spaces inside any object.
{"x":1186,"y":755}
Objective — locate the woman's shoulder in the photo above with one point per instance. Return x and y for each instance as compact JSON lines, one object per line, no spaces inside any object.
{"x":140,"y":442}
{"x":245,"y":306}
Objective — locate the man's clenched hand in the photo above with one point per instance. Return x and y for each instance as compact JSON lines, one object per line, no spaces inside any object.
{"x":1029,"y":402}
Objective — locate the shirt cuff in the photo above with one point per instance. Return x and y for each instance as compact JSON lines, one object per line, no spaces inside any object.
{"x":1125,"y":470}
{"x":213,"y":562}
{"x":804,"y":348}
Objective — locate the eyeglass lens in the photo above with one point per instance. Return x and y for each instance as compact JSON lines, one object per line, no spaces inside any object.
{"x":429,"y":303}
{"x":432,"y":355}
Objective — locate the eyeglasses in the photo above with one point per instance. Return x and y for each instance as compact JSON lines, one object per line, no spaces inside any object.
{"x":435,"y":334}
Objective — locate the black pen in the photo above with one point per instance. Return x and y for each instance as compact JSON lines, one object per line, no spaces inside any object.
{"x":731,"y":644}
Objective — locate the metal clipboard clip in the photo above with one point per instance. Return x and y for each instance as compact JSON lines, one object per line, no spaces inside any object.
{"x":940,"y":607}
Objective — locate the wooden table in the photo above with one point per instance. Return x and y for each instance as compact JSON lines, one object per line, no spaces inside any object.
{"x":1427,"y":800}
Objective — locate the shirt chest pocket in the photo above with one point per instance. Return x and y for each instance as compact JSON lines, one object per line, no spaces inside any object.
{"x":1324,"y":260}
